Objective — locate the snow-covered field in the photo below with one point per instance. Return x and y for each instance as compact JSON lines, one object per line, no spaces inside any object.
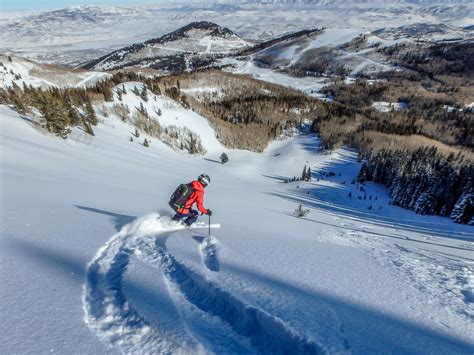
{"x":90,"y":262}
{"x":308,"y":85}
{"x":383,"y":106}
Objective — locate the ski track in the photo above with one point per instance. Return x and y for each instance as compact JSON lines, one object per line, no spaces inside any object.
{"x":208,"y":249}
{"x":107,"y":311}
{"x":114,"y":320}
{"x":266,"y":332}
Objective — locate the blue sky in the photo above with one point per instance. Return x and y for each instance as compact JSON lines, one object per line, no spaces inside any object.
{"x":9,"y":5}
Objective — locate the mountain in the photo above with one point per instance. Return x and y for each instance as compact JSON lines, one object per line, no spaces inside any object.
{"x":80,"y":34}
{"x":191,"y":46}
{"x":327,"y":51}
{"x":342,"y":51}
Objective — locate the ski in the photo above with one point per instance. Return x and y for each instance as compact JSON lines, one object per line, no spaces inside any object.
{"x":200,"y":226}
{"x":213,"y":225}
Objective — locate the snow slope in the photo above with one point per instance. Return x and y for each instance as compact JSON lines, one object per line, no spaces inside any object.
{"x":172,"y":114}
{"x":19,"y":70}
{"x":309,"y":85}
{"x":300,"y":51}
{"x":90,"y":262}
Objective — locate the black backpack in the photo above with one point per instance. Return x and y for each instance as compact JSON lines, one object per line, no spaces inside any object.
{"x":180,"y":196}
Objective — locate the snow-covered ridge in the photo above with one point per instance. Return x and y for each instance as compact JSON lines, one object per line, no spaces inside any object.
{"x":189,"y":31}
{"x":195,"y":39}
{"x":423,"y":31}
{"x":23,"y":71}
{"x":177,"y":123}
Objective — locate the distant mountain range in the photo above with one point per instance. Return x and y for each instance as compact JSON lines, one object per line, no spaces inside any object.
{"x":314,"y":52}
{"x":79,"y":34}
{"x":329,"y":2}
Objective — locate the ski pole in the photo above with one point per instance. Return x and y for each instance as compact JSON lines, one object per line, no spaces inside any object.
{"x":209,"y":226}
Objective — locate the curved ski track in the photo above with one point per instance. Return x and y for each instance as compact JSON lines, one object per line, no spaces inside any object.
{"x":208,"y":249}
{"x":114,"y":320}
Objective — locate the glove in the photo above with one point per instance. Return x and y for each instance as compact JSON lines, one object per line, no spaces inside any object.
{"x":209,"y":213}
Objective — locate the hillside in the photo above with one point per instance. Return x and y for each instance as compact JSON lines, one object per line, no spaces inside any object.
{"x":100,"y":262}
{"x":345,"y":51}
{"x":423,"y":138}
{"x":186,"y":48}
{"x":23,"y":71}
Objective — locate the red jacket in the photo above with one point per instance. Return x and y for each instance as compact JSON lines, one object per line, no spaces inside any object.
{"x":196,"y":197}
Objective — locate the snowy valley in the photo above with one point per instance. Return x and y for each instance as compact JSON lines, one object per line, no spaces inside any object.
{"x":335,"y":260}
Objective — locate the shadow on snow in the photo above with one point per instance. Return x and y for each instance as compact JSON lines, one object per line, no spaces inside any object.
{"x":366,"y":328}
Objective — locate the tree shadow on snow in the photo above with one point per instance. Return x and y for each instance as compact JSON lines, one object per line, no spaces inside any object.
{"x":68,"y":263}
{"x":213,"y":160}
{"x":365,"y":329}
{"x":384,"y":235}
{"x":311,"y":142}
{"x":276,"y":177}
{"x":331,"y":196}
{"x":118,"y":219}
{"x":72,"y":266}
{"x":431,"y":228}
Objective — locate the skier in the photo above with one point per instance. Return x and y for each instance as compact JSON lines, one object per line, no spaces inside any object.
{"x":184,"y":198}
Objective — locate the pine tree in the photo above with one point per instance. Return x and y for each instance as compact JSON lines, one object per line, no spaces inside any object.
{"x":19,"y":103}
{"x":56,"y":116}
{"x":303,"y":174}
{"x":75,"y":117}
{"x":424,"y":203}
{"x":362,"y":176}
{"x":395,"y":190}
{"x":463,"y":209}
{"x":301,"y":212}
{"x":136,"y":91}
{"x":88,"y":128}
{"x":142,"y":110}
{"x":224,"y":158}
{"x":155,"y":88}
{"x":89,"y":114}
{"x":308,"y":174}
{"x":144,"y":94}
{"x":184,"y":102}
